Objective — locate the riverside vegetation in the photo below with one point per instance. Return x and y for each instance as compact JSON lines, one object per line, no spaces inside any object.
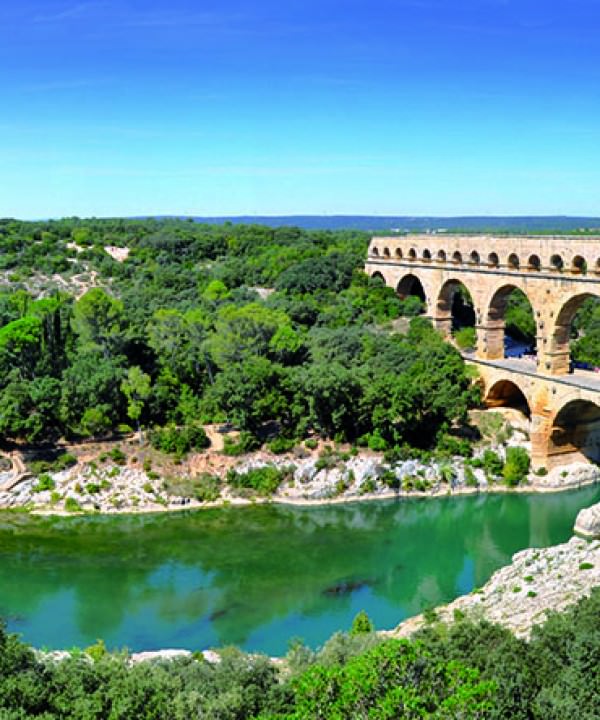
{"x":466,"y":669}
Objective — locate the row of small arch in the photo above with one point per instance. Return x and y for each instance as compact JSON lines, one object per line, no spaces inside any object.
{"x":534,"y":263}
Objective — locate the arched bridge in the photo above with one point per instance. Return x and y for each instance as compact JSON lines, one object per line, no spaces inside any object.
{"x":557,"y":274}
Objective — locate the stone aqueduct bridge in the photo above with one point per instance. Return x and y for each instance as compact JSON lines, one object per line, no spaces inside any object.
{"x":557,"y":274}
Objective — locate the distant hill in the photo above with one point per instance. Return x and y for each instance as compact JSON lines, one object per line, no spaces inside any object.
{"x":375,"y":223}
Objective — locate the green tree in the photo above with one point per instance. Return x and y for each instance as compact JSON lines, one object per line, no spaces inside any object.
{"x":136,"y":387}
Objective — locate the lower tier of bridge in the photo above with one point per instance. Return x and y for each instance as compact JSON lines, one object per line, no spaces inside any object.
{"x":564,"y":411}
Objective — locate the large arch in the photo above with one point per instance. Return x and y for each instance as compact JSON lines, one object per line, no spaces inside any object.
{"x":411,"y":285}
{"x":575,"y":433}
{"x":454,"y":307}
{"x":497,"y":343}
{"x":559,"y":361}
{"x":506,"y":393}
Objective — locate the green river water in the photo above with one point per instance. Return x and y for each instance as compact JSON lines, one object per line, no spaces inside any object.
{"x":258,"y":576}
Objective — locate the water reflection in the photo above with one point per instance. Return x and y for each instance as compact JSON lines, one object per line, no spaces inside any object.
{"x":256,"y":576}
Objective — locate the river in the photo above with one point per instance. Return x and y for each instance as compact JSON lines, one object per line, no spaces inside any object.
{"x":258,"y":576}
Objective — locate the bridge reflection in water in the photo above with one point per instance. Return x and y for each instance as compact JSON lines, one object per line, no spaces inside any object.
{"x":557,"y":274}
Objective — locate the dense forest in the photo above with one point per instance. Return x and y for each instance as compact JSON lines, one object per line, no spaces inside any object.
{"x":276,"y":331}
{"x":476,"y":671}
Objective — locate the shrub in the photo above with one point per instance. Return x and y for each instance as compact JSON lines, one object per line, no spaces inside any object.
{"x":179,"y":440}
{"x":368,"y":486}
{"x":207,"y":487}
{"x":361,"y":624}
{"x":117,"y":456}
{"x":264,"y":480}
{"x":586,"y":566}
{"x":281,"y":445}
{"x":492,"y":463}
{"x":376,"y":442}
{"x":470,"y":478}
{"x":71,"y":505}
{"x":450,"y":445}
{"x":245,"y":444}
{"x":311,"y":444}
{"x":541,"y":472}
{"x":45,"y":482}
{"x":92,"y":488}
{"x":466,"y":338}
{"x":516,"y":466}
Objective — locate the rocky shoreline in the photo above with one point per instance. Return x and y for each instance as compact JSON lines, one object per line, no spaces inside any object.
{"x":113,"y":488}
{"x":519,"y":596}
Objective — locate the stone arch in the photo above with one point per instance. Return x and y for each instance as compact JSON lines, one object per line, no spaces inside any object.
{"x":457,"y":257}
{"x":513,"y":262}
{"x":507,"y":393}
{"x":375,"y":251}
{"x":446,"y":307}
{"x":426,"y":254}
{"x":412,"y":254}
{"x":441,"y":256}
{"x":474,"y":258}
{"x":495,"y":323}
{"x":557,"y":263}
{"x":411,"y":285}
{"x":399,"y":253}
{"x":579,"y":265}
{"x":386,"y":252}
{"x":559,"y":360}
{"x":597,"y":267}
{"x":493,"y":260}
{"x":378,"y":276}
{"x":534,"y":263}
{"x":575,"y":433}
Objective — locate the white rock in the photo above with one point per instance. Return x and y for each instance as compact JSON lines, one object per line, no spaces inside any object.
{"x":588,"y":521}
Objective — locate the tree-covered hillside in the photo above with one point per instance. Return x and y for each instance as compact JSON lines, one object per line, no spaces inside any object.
{"x":277,"y":331}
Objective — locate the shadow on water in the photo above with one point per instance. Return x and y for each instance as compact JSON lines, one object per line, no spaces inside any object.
{"x":256,"y":576}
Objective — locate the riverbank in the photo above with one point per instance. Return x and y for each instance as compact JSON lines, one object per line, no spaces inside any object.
{"x":324,"y":476}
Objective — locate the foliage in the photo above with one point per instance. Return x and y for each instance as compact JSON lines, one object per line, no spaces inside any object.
{"x":516,"y":466}
{"x":179,"y":440}
{"x":177,"y":335}
{"x":466,"y":338}
{"x":263,"y":480}
{"x":361,"y":624}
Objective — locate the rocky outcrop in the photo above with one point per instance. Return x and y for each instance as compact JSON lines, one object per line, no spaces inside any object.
{"x":520,"y":595}
{"x":574,"y":475}
{"x":588,"y":522}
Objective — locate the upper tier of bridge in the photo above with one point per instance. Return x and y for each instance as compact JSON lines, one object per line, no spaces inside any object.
{"x":566,"y":254}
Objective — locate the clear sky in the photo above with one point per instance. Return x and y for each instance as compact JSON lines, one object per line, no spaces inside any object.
{"x":408,"y":107}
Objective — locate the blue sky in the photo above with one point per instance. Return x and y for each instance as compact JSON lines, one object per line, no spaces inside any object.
{"x":409,"y":107}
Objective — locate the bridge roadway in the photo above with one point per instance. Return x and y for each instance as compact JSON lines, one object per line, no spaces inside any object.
{"x":584,"y":379}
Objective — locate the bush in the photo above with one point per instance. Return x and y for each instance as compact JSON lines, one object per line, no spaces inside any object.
{"x":179,"y":440}
{"x":311,"y":444}
{"x":492,"y":463}
{"x":264,"y":480}
{"x":71,"y":505}
{"x":281,"y":445}
{"x":466,"y":338}
{"x":117,"y":456}
{"x":361,"y":624}
{"x":451,"y":445}
{"x":207,"y":487}
{"x":516,"y":466}
{"x":246,"y":443}
{"x":45,"y":482}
